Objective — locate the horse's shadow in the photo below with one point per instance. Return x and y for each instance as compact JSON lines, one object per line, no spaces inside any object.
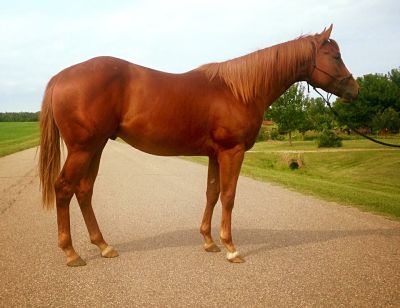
{"x":268,"y":239}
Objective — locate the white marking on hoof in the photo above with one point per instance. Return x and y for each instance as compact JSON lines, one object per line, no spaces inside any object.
{"x":232,"y":255}
{"x":107,"y":250}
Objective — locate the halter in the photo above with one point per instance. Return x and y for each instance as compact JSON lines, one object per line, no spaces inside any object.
{"x":339,"y":80}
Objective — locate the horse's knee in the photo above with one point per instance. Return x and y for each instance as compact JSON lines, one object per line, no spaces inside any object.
{"x":228,"y":200}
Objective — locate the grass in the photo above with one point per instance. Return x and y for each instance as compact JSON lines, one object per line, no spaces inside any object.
{"x":17,"y":136}
{"x":360,"y":173}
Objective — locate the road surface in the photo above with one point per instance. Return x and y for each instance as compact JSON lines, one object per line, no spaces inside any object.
{"x":299,"y":251}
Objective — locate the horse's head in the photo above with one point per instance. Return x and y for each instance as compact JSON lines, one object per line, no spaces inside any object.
{"x":328,"y":71}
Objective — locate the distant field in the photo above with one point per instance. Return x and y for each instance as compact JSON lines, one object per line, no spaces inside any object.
{"x":360,"y":173}
{"x":17,"y":136}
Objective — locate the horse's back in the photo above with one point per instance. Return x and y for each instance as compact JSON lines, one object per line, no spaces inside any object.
{"x":156,"y":112}
{"x":106,"y":97}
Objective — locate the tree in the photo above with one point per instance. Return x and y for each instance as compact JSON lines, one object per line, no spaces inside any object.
{"x":19,"y":116}
{"x":389,"y":120}
{"x":394,"y":76}
{"x":288,"y":110}
{"x":378,"y":92}
{"x":318,"y":117}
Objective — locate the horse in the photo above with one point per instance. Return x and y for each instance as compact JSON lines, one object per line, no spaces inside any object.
{"x":215,"y":110}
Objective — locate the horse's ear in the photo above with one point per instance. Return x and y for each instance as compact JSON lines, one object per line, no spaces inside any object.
{"x":325,"y":35}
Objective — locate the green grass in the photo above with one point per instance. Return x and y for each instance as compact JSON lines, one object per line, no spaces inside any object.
{"x":360,"y":173}
{"x":17,"y":136}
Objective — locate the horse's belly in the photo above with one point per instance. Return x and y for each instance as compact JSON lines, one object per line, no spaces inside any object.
{"x":162,"y":141}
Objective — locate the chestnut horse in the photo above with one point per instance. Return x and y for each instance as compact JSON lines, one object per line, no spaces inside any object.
{"x":215,"y":110}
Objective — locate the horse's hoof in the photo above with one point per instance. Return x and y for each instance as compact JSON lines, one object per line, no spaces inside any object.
{"x":76,"y":262}
{"x":237,"y":259}
{"x":234,"y":257}
{"x":211,"y":247}
{"x":109,"y":252}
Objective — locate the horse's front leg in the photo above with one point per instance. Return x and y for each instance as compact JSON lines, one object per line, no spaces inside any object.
{"x":230,"y":162}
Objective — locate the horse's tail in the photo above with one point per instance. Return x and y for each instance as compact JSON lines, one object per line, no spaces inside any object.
{"x":49,"y":158}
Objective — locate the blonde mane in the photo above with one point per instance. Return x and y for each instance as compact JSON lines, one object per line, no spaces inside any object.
{"x":246,"y":76}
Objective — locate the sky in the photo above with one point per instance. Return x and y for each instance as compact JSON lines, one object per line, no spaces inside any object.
{"x":40,"y":38}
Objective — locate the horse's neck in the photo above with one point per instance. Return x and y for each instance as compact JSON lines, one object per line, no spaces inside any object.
{"x":281,"y":76}
{"x":262,"y":76}
{"x":276,"y":91}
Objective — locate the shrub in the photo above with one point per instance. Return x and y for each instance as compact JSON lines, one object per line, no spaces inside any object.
{"x":389,"y":119}
{"x":328,"y":139}
{"x":262,"y":134}
{"x":276,"y":136}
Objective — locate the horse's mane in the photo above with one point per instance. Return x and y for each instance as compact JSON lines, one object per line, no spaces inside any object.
{"x":249,"y":74}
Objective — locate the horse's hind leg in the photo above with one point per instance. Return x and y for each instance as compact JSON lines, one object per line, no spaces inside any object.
{"x":212,"y":198}
{"x":84,"y":195}
{"x":75,"y":166}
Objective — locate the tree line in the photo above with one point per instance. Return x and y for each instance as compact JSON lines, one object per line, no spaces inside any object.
{"x":19,"y":116}
{"x":376,"y":110}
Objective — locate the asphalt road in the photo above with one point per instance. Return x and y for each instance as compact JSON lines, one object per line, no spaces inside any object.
{"x":299,"y":251}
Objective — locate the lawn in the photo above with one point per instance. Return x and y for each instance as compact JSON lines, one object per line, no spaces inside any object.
{"x":360,"y":173}
{"x":17,"y":136}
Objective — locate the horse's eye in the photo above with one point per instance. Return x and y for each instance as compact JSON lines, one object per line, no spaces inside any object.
{"x":338,"y":56}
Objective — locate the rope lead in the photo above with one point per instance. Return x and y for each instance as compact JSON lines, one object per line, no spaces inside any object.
{"x":326,"y":100}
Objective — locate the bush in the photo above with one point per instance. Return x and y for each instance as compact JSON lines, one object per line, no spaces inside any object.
{"x":276,"y":136}
{"x":328,"y":139}
{"x":262,"y":134}
{"x":388,"y":120}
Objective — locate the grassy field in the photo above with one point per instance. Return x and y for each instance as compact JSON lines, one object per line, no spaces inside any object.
{"x":360,"y":173}
{"x":17,"y":136}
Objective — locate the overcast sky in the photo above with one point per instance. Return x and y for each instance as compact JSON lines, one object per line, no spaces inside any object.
{"x":40,"y":38}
